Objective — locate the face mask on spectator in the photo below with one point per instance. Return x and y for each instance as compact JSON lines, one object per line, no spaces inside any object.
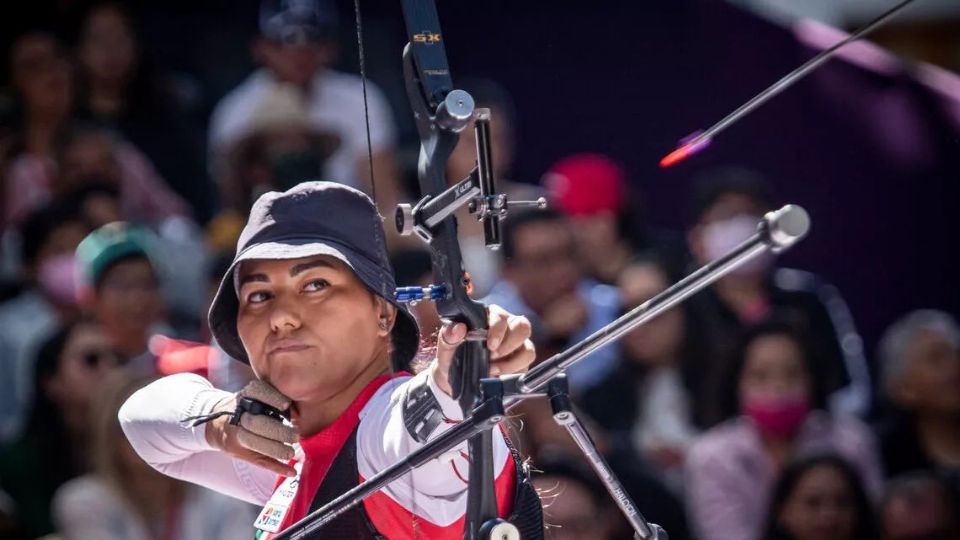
{"x":57,"y":279}
{"x":721,"y":237}
{"x":779,"y":417}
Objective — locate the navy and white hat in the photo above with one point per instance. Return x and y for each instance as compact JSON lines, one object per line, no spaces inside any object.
{"x":315,"y":218}
{"x":295,"y":22}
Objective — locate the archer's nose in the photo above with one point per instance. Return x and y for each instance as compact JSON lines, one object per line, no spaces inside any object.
{"x":285,"y":316}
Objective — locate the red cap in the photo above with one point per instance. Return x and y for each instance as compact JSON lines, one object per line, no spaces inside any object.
{"x":585,"y":184}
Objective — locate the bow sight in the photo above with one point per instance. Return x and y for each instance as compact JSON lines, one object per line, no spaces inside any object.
{"x":477,"y":191}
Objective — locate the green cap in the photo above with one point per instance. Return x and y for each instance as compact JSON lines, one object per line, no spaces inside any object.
{"x":109,"y":244}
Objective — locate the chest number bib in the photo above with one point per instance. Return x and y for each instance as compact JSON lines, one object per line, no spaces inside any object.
{"x":271,"y":517}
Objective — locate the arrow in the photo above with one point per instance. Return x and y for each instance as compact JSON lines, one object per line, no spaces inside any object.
{"x":699,"y":140}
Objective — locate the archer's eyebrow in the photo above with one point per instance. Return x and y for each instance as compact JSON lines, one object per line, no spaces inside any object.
{"x":297,"y":269}
{"x":253,"y":277}
{"x":303,"y":267}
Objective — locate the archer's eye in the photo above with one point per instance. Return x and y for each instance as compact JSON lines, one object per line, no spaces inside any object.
{"x":257,"y":297}
{"x":316,"y":285}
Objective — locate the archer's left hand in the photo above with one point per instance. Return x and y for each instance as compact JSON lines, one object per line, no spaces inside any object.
{"x":508,"y":338}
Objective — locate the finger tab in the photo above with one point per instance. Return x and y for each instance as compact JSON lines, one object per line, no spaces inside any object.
{"x":262,"y":391}
{"x":268,"y":427}
{"x":264,"y":446}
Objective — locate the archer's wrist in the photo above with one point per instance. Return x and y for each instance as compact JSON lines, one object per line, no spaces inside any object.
{"x":440,"y":377}
{"x":214,"y":429}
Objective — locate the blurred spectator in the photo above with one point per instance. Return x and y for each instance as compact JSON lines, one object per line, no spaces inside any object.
{"x":120,"y":88}
{"x":92,"y":154}
{"x":542,"y":280}
{"x":413,"y":268}
{"x":818,"y":497}
{"x":920,"y":369}
{"x":48,"y":238}
{"x":657,"y":378}
{"x":120,"y":286}
{"x":88,"y":154}
{"x":97,"y":202}
{"x":180,"y":254}
{"x":53,"y":448}
{"x":281,"y":148}
{"x":920,"y":506}
{"x":575,"y":504}
{"x":535,"y":433}
{"x":592,"y":190}
{"x":297,"y":45}
{"x":42,"y":82}
{"x":775,"y":392}
{"x":126,"y":499}
{"x":729,"y":205}
{"x":50,"y":158}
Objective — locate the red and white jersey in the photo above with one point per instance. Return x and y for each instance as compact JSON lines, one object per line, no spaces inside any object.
{"x":428,"y":503}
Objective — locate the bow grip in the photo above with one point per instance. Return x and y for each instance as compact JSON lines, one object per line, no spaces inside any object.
{"x":471,"y":362}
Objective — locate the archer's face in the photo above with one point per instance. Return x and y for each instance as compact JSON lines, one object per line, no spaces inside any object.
{"x":309,"y":326}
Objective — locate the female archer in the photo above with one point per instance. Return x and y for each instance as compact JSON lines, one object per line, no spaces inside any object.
{"x":308,"y":303}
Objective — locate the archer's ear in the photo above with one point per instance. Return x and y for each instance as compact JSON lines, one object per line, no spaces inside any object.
{"x":387,"y":315}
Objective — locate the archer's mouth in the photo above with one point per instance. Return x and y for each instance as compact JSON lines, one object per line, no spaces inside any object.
{"x":284,"y":348}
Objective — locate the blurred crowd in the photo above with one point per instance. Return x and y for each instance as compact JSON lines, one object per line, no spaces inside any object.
{"x":749,"y":412}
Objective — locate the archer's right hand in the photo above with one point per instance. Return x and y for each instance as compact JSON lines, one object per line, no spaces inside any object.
{"x":259,"y":439}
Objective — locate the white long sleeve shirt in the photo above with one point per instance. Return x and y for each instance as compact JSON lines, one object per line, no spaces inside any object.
{"x":153,"y":420}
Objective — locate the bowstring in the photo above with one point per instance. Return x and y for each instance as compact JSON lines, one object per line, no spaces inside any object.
{"x":373,"y":184}
{"x":366,"y":109}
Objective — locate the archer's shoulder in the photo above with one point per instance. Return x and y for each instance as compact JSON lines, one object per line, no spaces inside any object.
{"x":388,"y":393}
